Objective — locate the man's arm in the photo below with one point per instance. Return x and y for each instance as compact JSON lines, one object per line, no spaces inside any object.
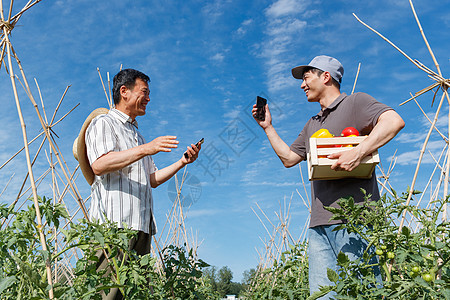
{"x":286,"y":155}
{"x":165,"y":174}
{"x":114,"y":161}
{"x":388,"y":125}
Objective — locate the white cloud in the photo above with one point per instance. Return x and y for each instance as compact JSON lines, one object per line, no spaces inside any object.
{"x":285,"y":7}
{"x":284,"y":28}
{"x":215,"y":9}
{"x":408,"y":158}
{"x":218,"y":57}
{"x":242,"y":30}
{"x":234,"y":113}
{"x":411,"y":137}
{"x":411,"y":157}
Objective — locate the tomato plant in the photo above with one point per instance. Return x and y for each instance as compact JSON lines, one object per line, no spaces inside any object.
{"x":23,"y":273}
{"x":427,"y":277}
{"x":391,"y":255}
{"x":403,"y":256}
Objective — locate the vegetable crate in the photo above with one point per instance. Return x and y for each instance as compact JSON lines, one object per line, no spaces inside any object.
{"x":319,"y":167}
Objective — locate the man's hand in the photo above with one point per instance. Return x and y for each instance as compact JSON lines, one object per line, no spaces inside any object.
{"x":165,"y":174}
{"x":192,"y":154}
{"x":161,"y":144}
{"x":268,"y":120}
{"x":388,"y":125}
{"x":346,"y":160}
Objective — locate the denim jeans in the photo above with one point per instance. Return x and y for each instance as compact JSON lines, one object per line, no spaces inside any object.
{"x":323,"y":248}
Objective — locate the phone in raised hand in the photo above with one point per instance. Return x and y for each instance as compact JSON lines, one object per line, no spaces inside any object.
{"x":196,"y":145}
{"x":261,"y":108}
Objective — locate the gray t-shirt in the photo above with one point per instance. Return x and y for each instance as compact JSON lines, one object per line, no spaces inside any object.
{"x":358,"y":110}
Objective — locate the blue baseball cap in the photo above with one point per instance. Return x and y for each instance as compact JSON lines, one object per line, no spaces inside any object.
{"x":324,"y":63}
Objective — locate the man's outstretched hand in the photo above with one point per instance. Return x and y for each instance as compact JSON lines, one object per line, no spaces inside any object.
{"x":161,"y":144}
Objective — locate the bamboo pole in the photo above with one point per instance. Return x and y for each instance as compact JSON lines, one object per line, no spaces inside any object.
{"x":417,"y":64}
{"x":104,"y":89}
{"x":426,"y":116}
{"x":47,"y":133}
{"x":356,"y":78}
{"x":59,"y":103}
{"x":425,"y":38}
{"x":444,"y":209}
{"x":30,"y":171}
{"x":422,"y":151}
{"x":6,"y":186}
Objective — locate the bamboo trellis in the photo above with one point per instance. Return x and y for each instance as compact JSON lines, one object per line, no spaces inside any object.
{"x":60,"y":179}
{"x":440,"y":84}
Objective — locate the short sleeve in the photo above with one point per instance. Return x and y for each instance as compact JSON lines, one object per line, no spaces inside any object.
{"x":100,"y":138}
{"x":152,"y":167}
{"x":299,"y":146}
{"x":367,"y":111}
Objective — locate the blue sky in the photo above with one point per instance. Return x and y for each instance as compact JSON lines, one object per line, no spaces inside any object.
{"x":208,"y":60}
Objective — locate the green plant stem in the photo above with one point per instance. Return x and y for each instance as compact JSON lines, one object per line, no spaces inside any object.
{"x":116,"y":266}
{"x":386,"y":271}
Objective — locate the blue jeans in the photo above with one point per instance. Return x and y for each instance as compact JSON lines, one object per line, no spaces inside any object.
{"x":323,"y":248}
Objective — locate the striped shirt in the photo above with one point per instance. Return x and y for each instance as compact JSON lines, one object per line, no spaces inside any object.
{"x":123,"y":196}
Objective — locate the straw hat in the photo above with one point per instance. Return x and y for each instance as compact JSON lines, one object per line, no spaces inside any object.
{"x":79,"y":146}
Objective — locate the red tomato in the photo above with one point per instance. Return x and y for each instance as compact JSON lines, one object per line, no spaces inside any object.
{"x":349,"y":131}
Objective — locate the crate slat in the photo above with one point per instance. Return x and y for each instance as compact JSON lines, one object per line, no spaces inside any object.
{"x":319,"y":167}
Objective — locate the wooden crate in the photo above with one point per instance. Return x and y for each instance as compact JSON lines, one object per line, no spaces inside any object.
{"x":319,"y":167}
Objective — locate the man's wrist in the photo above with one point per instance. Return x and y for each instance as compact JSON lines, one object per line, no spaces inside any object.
{"x":269,"y":128}
{"x":182,"y":163}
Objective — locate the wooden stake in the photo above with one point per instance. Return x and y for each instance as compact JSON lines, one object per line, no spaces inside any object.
{"x":425,"y":38}
{"x":422,"y":151}
{"x":356,"y":78}
{"x":30,"y":171}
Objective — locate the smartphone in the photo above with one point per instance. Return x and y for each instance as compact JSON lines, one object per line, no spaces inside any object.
{"x":196,"y":145}
{"x":261,"y":108}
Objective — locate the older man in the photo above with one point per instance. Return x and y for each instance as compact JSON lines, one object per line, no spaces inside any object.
{"x":122,"y":162}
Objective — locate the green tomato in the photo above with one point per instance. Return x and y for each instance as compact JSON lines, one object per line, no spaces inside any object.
{"x":416,"y":269}
{"x":427,"y":277}
{"x":379,"y":252}
{"x":390,"y":255}
{"x":383,"y":247}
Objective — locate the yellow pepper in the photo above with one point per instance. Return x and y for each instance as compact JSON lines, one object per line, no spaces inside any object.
{"x":322,"y":133}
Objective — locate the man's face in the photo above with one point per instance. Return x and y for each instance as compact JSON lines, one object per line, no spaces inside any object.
{"x":312,"y":85}
{"x":137,"y":98}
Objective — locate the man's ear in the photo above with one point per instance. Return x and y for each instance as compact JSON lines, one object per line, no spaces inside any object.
{"x":123,"y":92}
{"x":327,"y":77}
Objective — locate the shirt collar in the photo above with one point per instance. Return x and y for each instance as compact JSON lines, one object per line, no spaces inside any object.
{"x":123,"y":117}
{"x":337,"y":101}
{"x":324,"y":112}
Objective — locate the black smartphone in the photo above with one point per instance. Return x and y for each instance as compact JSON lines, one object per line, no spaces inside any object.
{"x":196,"y":145}
{"x":261,"y":108}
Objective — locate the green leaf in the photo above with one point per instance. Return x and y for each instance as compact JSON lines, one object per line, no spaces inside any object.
{"x":45,"y":254}
{"x":321,"y":292}
{"x":99,"y":237}
{"x":405,"y":231}
{"x":342,"y":258}
{"x":6,"y":282}
{"x":332,"y":275}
